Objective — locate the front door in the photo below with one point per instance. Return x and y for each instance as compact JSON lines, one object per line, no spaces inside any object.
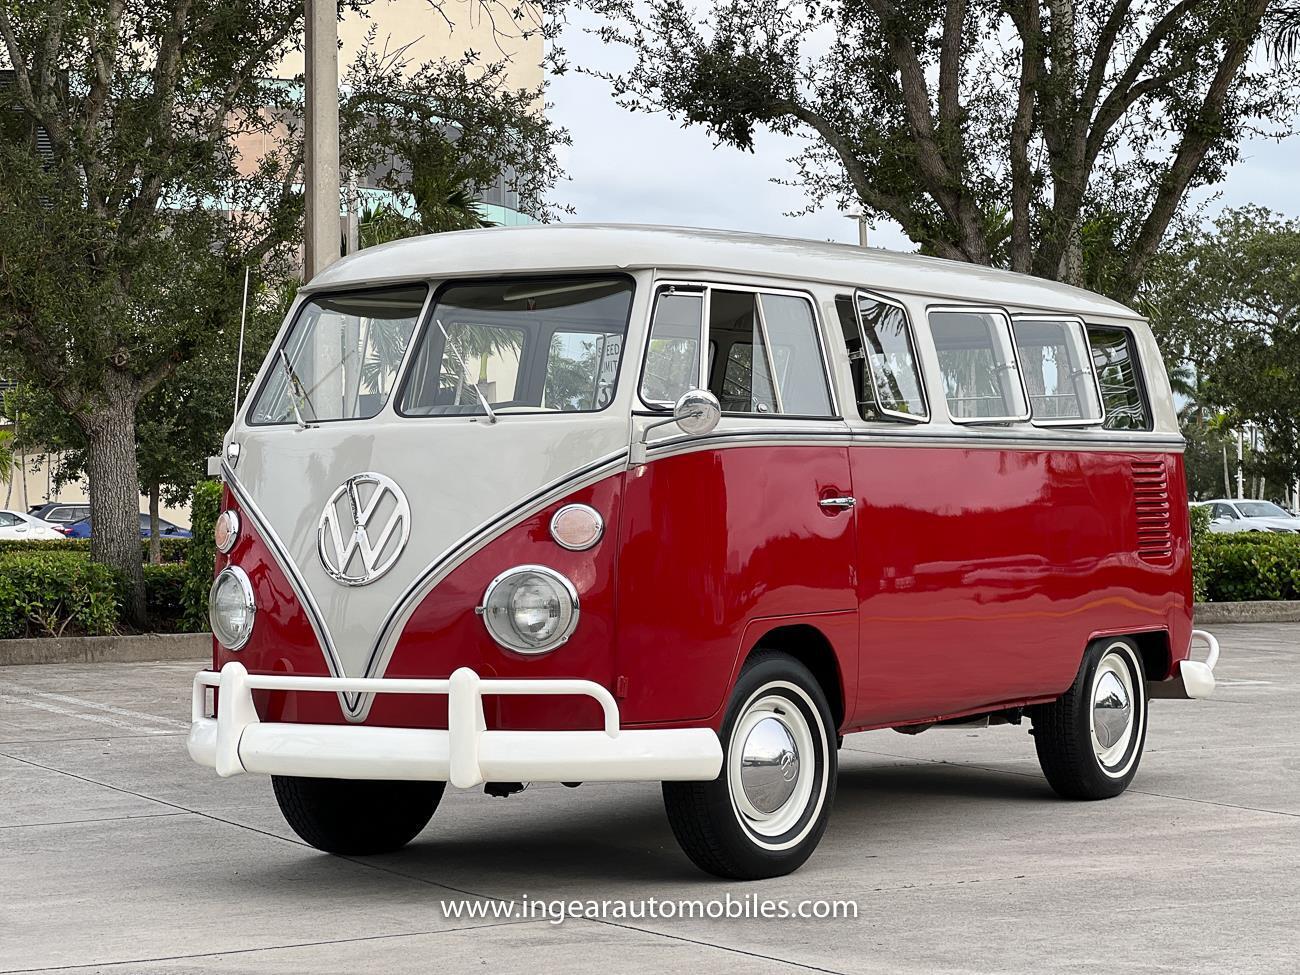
{"x":726,"y":532}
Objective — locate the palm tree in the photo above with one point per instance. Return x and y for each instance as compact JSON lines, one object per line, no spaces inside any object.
{"x":1284,"y":24}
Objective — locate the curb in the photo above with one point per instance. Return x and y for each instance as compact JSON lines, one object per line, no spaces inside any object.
{"x":105,"y":649}
{"x":1272,"y":611}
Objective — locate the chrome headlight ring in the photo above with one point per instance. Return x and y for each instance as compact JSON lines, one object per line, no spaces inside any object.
{"x":530,"y":609}
{"x":232,"y":635}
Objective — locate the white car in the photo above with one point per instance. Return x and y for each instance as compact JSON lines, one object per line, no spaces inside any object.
{"x":1237,"y":515}
{"x":17,"y":525}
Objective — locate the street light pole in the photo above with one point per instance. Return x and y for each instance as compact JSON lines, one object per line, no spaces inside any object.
{"x":861,"y":218}
{"x":321,"y":132}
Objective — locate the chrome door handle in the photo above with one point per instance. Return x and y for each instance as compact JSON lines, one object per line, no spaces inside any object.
{"x":842,"y":503}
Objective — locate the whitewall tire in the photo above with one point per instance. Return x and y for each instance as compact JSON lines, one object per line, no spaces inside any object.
{"x":1090,"y":740}
{"x":766,"y":811}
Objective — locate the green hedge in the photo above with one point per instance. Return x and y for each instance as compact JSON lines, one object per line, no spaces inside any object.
{"x":57,"y":594}
{"x":164,"y":592}
{"x":1247,"y":566}
{"x":201,"y":556}
{"x":65,"y":594}
{"x":173,"y":549}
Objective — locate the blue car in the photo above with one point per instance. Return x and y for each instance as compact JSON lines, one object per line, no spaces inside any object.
{"x":81,"y":529}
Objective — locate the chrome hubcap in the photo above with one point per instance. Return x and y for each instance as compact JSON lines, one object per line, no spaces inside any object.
{"x":1113,"y":712}
{"x":772,"y":769}
{"x":769,"y":765}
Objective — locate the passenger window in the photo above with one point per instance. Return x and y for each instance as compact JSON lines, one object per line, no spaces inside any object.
{"x":1057,"y":370}
{"x":745,"y":383}
{"x":889,"y":365}
{"x":672,"y":362}
{"x":978,"y":365}
{"x":1117,"y":373}
{"x":796,"y":355}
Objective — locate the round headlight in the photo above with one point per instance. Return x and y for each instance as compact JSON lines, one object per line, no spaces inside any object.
{"x":530,"y":609}
{"x":577,"y":527}
{"x":231,"y":608}
{"x":226,"y":531}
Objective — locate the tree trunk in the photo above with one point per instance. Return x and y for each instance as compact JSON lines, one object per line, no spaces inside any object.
{"x":155,"y":542}
{"x":115,"y":496}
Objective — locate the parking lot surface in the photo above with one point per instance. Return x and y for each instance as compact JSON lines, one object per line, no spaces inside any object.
{"x":119,"y":855}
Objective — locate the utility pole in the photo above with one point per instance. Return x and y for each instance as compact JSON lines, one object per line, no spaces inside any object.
{"x":321,"y":131}
{"x":1241,"y":467}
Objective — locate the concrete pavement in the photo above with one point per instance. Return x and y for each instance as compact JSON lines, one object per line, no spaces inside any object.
{"x":119,"y":855}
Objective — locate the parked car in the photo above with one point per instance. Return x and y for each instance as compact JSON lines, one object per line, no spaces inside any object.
{"x":17,"y":525}
{"x":1237,"y":515}
{"x":61,"y":512}
{"x":581,"y":504}
{"x":166,"y":529}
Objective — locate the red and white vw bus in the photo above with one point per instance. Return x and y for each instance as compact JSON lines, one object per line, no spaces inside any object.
{"x":583,"y":503}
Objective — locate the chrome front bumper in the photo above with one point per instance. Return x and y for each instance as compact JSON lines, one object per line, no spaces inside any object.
{"x":466,"y":754}
{"x":1194,"y":679}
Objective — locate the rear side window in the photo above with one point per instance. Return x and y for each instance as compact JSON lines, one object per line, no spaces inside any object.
{"x":882,"y":355}
{"x":1057,"y":369}
{"x":977,"y":360}
{"x":1114,"y":358}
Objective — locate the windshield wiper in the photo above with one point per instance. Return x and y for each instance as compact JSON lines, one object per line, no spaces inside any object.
{"x":296,"y":391}
{"x":464,"y":371}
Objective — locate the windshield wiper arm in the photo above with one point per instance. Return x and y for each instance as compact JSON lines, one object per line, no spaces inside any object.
{"x":296,"y":391}
{"x":464,"y":369}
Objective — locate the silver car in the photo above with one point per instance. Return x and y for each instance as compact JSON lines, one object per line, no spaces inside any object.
{"x":1238,"y":515}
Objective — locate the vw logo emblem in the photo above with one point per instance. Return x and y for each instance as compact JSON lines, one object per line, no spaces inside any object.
{"x":363,"y":529}
{"x":789,"y":767}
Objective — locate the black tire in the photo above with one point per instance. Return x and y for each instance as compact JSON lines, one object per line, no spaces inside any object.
{"x":707,"y":817}
{"x":1082,"y":757}
{"x":356,"y":817}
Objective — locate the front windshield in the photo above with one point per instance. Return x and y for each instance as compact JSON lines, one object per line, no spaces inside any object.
{"x":523,"y":345}
{"x":1261,"y":509}
{"x":341,"y":357}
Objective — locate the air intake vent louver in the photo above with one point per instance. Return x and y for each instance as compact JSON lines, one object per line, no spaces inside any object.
{"x":1155,"y":542}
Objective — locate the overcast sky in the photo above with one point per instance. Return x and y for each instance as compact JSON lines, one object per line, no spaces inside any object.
{"x":637,"y":168}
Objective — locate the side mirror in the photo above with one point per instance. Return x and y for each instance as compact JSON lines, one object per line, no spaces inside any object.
{"x":696,"y":413}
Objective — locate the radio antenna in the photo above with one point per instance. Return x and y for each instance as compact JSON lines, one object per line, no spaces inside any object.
{"x":239,"y":361}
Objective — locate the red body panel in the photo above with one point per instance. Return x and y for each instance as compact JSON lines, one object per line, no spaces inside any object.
{"x":964,"y":578}
{"x":984,"y":573}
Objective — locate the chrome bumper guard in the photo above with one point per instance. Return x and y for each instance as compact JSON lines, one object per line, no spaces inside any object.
{"x":466,"y":754}
{"x":1194,"y":679}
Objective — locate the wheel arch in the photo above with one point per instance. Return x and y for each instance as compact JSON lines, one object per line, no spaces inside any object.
{"x":1154,"y":650}
{"x":813,"y":648}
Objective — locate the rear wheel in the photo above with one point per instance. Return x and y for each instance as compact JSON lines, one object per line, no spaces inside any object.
{"x":1090,"y":740}
{"x":356,"y":817}
{"x":765,"y":813}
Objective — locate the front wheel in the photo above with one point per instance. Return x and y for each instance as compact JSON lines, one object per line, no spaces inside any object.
{"x":766,"y":811}
{"x":356,"y":817}
{"x":1090,"y":740}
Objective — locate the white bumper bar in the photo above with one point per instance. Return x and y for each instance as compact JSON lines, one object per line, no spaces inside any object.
{"x":1194,"y":679}
{"x":466,"y":754}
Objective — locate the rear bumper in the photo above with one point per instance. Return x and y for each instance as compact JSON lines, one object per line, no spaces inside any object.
{"x":465,"y":754}
{"x":1194,"y":680}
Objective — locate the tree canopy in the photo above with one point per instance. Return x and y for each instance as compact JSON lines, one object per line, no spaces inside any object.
{"x":1059,"y":137}
{"x":130,"y":213}
{"x":1225,"y":305}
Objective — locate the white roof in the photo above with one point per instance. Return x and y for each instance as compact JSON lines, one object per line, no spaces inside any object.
{"x":575,"y":246}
